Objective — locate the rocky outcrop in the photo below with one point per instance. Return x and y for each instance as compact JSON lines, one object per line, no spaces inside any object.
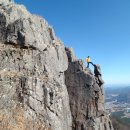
{"x":33,"y":94}
{"x":34,"y":73}
{"x":86,"y":96}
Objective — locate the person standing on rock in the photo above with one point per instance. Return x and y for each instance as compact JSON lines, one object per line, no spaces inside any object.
{"x":88,"y":61}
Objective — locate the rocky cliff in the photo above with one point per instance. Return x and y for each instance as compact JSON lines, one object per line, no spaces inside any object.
{"x":86,"y":96}
{"x":42,"y":85}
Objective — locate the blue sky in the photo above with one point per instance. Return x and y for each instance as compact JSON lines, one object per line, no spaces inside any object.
{"x":98,"y":28}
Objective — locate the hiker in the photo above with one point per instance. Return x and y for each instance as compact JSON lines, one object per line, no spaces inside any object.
{"x":88,"y":61}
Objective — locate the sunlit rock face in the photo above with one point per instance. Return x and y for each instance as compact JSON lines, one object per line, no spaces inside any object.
{"x":86,"y":95}
{"x":42,"y":85}
{"x":33,"y":94}
{"x":6,"y":2}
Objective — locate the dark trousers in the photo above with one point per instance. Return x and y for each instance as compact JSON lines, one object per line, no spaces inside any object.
{"x":89,"y":63}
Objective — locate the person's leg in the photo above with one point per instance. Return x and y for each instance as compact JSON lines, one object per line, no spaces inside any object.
{"x":92,"y":63}
{"x":88,"y":65}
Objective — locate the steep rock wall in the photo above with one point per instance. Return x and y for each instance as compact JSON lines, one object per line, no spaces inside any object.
{"x":33,"y":92}
{"x":86,"y":96}
{"x":33,"y":95}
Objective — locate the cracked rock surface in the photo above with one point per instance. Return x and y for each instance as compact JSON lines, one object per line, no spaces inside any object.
{"x":86,"y":96}
{"x":42,"y":85}
{"x":33,"y":94}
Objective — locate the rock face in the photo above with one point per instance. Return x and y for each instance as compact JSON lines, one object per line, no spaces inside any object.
{"x":6,"y":2}
{"x":86,"y":96}
{"x":33,"y":91}
{"x":33,"y":94}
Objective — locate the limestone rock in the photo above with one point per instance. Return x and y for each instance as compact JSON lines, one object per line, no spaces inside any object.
{"x":6,"y":2}
{"x":21,"y":28}
{"x":86,"y":96}
{"x":33,"y":94}
{"x":35,"y":68}
{"x":70,"y":54}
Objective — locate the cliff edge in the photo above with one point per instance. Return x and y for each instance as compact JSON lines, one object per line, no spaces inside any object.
{"x":42,"y":85}
{"x":86,"y":95}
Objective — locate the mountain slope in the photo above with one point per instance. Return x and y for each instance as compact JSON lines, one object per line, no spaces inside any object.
{"x":37,"y":78}
{"x":86,"y":96}
{"x":33,"y":61}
